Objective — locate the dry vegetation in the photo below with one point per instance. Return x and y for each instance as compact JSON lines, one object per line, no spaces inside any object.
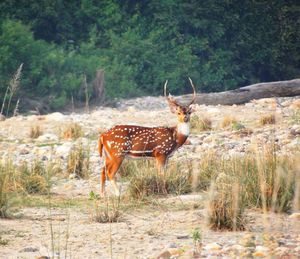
{"x":260,"y":179}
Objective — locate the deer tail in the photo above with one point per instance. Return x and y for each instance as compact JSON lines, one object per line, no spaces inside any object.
{"x":100,"y":145}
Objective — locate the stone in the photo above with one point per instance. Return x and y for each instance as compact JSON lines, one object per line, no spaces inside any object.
{"x":48,"y":137}
{"x":164,"y":255}
{"x":295,"y":215}
{"x":281,"y":251}
{"x":64,"y":149}
{"x":29,"y":249}
{"x":213,"y":246}
{"x":56,"y":116}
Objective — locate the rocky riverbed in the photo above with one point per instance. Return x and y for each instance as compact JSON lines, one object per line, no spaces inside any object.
{"x":158,"y":231}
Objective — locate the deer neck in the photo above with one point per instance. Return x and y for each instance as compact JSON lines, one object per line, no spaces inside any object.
{"x":182,"y":132}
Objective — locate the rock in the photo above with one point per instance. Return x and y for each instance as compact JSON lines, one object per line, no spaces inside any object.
{"x":261,"y":251}
{"x":248,"y":241}
{"x":295,"y":105}
{"x":295,"y":215}
{"x":2,"y":117}
{"x":24,"y":151}
{"x":237,"y":248}
{"x":56,"y":116}
{"x":47,"y":138}
{"x":281,"y":251}
{"x":64,"y":149}
{"x":72,"y":176}
{"x":175,"y":251}
{"x":164,"y":255}
{"x":29,"y":250}
{"x":213,"y":246}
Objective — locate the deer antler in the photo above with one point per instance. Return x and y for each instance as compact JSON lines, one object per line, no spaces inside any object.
{"x":170,"y":97}
{"x":194,"y":92}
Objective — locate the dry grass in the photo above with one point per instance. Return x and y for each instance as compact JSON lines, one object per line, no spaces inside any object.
{"x":199,"y":124}
{"x":78,"y":162}
{"x":225,"y":205}
{"x":35,"y":132}
{"x":146,"y":180}
{"x":34,"y":178}
{"x":108,"y":211}
{"x":267,"y":120}
{"x":6,"y":172}
{"x":261,"y":180}
{"x":72,"y":131}
{"x":228,"y":121}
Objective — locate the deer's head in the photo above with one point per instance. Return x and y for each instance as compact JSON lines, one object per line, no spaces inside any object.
{"x":183,"y":112}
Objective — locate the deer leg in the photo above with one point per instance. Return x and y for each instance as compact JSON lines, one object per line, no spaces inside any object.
{"x":103,"y":179}
{"x":111,"y":172}
{"x":161,"y":162}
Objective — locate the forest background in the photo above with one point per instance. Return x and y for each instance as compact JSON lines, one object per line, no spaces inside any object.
{"x":137,"y":45}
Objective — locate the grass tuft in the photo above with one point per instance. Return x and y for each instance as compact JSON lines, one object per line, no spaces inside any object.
{"x":146,"y":180}
{"x":199,"y":124}
{"x":78,"y":162}
{"x":267,"y":120}
{"x":35,"y":132}
{"x":72,"y":131}
{"x":107,"y":212}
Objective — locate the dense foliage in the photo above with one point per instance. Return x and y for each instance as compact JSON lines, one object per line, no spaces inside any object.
{"x":220,"y":44}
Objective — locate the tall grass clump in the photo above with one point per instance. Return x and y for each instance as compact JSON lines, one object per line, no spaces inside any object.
{"x":146,"y":180}
{"x":34,"y":178}
{"x":199,"y":124}
{"x":35,"y":132}
{"x":108,"y":211}
{"x":261,"y":179}
{"x":225,"y":204}
{"x":267,"y":119}
{"x":11,"y":90}
{"x":6,"y":173}
{"x":78,"y":162}
{"x":72,"y":131}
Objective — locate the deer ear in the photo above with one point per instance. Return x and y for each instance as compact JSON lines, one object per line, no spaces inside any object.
{"x":173,"y":105}
{"x":192,"y":108}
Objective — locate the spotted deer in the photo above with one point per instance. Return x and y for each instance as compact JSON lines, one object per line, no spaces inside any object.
{"x":136,"y":141}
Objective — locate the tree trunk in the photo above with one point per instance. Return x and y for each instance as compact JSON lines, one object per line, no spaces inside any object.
{"x":98,"y":87}
{"x":247,"y":93}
